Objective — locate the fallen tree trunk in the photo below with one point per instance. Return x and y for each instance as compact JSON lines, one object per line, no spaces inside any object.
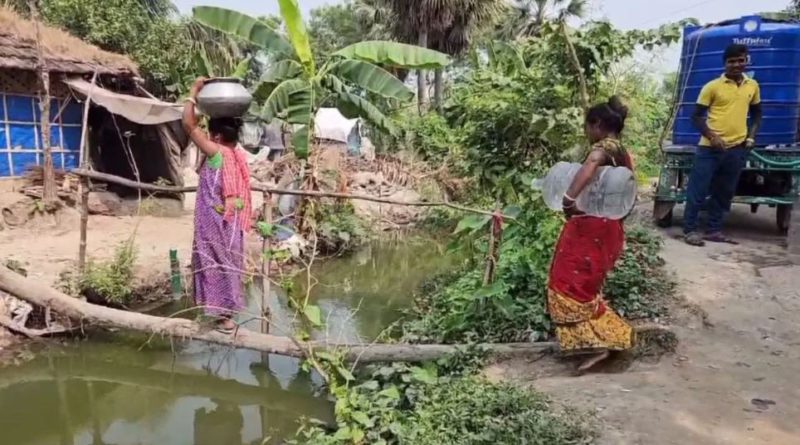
{"x":34,"y":292}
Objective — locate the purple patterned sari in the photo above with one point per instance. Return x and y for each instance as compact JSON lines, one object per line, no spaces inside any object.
{"x":218,"y":248}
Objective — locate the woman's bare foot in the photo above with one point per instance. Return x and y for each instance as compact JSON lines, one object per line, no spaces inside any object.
{"x":593,"y":360}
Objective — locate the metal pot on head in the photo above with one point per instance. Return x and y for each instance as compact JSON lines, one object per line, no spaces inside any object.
{"x":224,"y":97}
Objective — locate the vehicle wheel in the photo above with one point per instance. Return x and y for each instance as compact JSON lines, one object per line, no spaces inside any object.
{"x":662,"y":213}
{"x":783,"y":218}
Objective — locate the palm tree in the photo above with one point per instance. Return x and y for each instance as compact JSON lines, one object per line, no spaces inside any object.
{"x":470,"y":17}
{"x":439,"y":24}
{"x":529,"y":15}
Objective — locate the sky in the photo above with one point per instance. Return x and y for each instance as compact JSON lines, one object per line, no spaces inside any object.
{"x":625,"y":14}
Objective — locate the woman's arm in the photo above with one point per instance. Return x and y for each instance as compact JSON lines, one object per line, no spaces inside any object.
{"x":204,"y":144}
{"x":595,"y":160}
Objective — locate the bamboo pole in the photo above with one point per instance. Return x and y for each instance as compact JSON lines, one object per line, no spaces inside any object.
{"x":105,"y":177}
{"x":84,"y":185}
{"x":266,"y":263}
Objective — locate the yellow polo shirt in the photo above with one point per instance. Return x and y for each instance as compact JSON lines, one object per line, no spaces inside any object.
{"x":728,"y":104}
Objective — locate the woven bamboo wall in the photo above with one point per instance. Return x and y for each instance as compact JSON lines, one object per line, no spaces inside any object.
{"x":27,"y":82}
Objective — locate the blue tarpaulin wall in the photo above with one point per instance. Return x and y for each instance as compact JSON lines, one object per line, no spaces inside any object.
{"x":21,"y":144}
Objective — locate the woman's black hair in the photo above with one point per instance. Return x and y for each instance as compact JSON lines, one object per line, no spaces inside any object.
{"x":610,"y":115}
{"x":227,"y":127}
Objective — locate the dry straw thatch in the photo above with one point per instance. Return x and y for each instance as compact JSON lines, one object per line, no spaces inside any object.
{"x":63,"y":52}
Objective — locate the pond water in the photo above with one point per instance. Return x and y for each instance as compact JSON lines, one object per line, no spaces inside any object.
{"x":126,"y":389}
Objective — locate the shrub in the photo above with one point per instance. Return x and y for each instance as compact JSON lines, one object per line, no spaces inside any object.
{"x":443,"y":404}
{"x":339,"y":229}
{"x":474,"y":411}
{"x":110,"y":281}
{"x":639,"y":286}
{"x":458,"y":308}
{"x":429,"y":136}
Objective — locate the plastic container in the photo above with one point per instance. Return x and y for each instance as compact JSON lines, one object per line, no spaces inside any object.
{"x":774,"y":48}
{"x":610,"y":194}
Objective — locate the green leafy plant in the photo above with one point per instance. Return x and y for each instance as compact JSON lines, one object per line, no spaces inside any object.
{"x":339,"y":230}
{"x":294,"y":87}
{"x":440,"y":403}
{"x":457,"y":307}
{"x":640,"y":287}
{"x":110,"y":281}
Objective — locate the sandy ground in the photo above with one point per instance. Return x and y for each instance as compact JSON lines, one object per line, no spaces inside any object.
{"x":734,"y":378}
{"x":46,"y":249}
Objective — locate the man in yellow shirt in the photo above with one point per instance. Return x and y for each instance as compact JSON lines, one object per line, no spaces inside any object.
{"x":721,"y":116}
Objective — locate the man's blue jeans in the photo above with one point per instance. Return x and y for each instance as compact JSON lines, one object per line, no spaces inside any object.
{"x":715,"y":174}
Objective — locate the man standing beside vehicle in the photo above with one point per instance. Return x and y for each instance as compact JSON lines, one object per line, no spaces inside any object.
{"x":721,"y":116}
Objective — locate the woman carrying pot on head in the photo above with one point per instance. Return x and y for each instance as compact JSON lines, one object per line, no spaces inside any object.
{"x":223,"y":213}
{"x":587,"y":250}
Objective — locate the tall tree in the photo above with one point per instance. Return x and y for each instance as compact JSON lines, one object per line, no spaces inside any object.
{"x":335,"y":26}
{"x":526,"y":17}
{"x":146,"y":30}
{"x":49,"y":196}
{"x":469,"y":18}
{"x":437,"y":24}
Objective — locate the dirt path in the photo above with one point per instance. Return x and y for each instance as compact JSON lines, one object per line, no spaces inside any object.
{"x":734,"y":379}
{"x":48,"y":250}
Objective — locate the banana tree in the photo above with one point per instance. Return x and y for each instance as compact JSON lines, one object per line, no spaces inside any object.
{"x":294,"y":87}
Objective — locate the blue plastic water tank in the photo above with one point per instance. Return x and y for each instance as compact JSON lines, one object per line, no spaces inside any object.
{"x":774,"y":63}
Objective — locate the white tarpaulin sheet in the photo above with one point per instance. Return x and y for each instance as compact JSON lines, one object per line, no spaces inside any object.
{"x":142,"y":110}
{"x":330,"y":124}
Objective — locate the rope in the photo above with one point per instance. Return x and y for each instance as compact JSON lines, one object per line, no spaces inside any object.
{"x":680,"y":90}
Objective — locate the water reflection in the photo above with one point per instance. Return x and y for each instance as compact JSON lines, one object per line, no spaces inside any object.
{"x":125,"y":389}
{"x":222,"y":424}
{"x":362,"y":294}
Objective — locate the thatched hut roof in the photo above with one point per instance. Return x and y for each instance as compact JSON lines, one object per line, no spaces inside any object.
{"x":63,"y":52}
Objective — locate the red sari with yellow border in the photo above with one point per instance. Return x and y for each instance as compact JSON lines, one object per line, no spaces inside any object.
{"x":585,"y":254}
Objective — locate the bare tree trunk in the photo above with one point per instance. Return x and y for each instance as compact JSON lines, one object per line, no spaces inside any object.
{"x":438,"y":89}
{"x":422,"y":81}
{"x":49,"y":195}
{"x":266,"y":262}
{"x":576,"y":63}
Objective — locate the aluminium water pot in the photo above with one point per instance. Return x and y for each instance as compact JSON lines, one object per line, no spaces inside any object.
{"x":224,"y":97}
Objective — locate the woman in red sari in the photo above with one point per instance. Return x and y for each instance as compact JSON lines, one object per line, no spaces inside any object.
{"x":587,"y":250}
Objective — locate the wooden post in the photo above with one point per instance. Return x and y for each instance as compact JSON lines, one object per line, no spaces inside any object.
{"x":49,"y":195}
{"x":175,"y":274}
{"x":493,"y":253}
{"x":84,"y":192}
{"x":83,"y":188}
{"x":266,"y":264}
